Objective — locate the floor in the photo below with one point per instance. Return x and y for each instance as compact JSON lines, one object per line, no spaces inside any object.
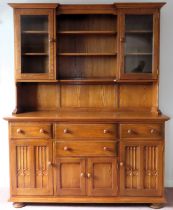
{"x":4,"y":205}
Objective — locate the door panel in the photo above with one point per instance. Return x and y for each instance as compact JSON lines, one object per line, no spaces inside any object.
{"x":70,"y":176}
{"x":102,"y":176}
{"x":31,"y":169}
{"x":141,"y":165}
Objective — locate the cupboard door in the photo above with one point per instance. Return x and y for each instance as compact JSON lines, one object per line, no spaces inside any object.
{"x":31,"y":169}
{"x":34,"y":44}
{"x":70,"y":176}
{"x":102,"y":176}
{"x":139,"y":45}
{"x":141,"y":165}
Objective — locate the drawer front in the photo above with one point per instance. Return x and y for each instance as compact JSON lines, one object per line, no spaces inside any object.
{"x":70,"y":131}
{"x":103,"y":148}
{"x":30,"y":130}
{"x":141,"y":131}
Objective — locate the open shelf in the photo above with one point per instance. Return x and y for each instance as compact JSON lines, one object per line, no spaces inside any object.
{"x":33,"y":54}
{"x":87,"y":32}
{"x":34,"y":32}
{"x":135,"y":54}
{"x":87,"y":54}
{"x":88,"y":80}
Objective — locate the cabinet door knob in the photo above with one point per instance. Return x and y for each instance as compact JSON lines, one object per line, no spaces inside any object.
{"x":105,"y":131}
{"x":66,"y":130}
{"x":51,"y":40}
{"x":129,"y":131}
{"x":105,"y":148}
{"x":152,"y":131}
{"x":66,"y":148}
{"x":19,"y":131}
{"x":122,"y":39}
{"x":82,"y":174}
{"x":89,"y":175}
{"x":42,"y":130}
{"x":121,"y":164}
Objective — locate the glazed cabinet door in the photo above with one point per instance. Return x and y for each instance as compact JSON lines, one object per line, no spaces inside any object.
{"x":139,"y":44}
{"x":70,"y":176}
{"x":141,"y":168}
{"x":102,"y":176}
{"x":31,"y":169}
{"x":34,"y":44}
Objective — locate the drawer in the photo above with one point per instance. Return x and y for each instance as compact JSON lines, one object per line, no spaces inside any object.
{"x":81,"y":148}
{"x":30,"y":130}
{"x":141,"y":131}
{"x":69,"y":131}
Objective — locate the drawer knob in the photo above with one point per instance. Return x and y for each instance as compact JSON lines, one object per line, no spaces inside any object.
{"x":89,"y":175}
{"x":66,"y":148}
{"x":121,"y":164}
{"x":105,"y":148}
{"x":129,"y":131}
{"x":66,"y":130}
{"x":19,"y":131}
{"x":42,"y":130}
{"x":152,"y":131}
{"x":82,"y":174}
{"x":105,"y":131}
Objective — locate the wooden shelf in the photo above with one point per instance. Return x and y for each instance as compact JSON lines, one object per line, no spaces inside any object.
{"x":86,"y":32}
{"x":87,"y":54}
{"x":138,"y":32}
{"x":34,"y":32}
{"x":33,"y":54}
{"x":137,"y":54}
{"x":88,"y":80}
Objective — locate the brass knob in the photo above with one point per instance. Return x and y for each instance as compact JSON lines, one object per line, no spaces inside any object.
{"x":82,"y":174}
{"x":66,"y":148}
{"x":121,"y":164}
{"x":65,"y":130}
{"x":42,"y":130}
{"x":89,"y":175}
{"x":129,"y":131}
{"x":105,"y":148}
{"x":105,"y":131}
{"x":152,"y":131}
{"x":19,"y":130}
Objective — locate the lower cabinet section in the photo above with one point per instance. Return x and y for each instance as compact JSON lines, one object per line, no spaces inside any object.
{"x":31,"y":171}
{"x":141,"y":168}
{"x":86,"y":176}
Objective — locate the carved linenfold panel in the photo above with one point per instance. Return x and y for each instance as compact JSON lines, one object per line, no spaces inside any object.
{"x":41,"y":167}
{"x":151,"y":167}
{"x":23,"y":167}
{"x":132,"y":167}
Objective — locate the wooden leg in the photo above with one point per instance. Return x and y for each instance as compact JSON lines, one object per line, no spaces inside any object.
{"x":18,"y":205}
{"x":157,"y":205}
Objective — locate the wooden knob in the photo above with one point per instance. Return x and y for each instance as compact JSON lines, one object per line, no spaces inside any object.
{"x":65,"y":130}
{"x":66,"y":148}
{"x":105,"y":148}
{"x":105,"y":131}
{"x":115,"y":80}
{"x":152,"y":131}
{"x":122,"y":39}
{"x":51,"y":40}
{"x":89,"y":175}
{"x":129,"y":131}
{"x":19,"y":131}
{"x":49,"y":163}
{"x":82,"y":174}
{"x":42,"y":130}
{"x":121,"y":163}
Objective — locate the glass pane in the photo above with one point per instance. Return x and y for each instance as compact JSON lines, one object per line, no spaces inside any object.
{"x":138,"y":64}
{"x":34,"y":44}
{"x":138,"y":43}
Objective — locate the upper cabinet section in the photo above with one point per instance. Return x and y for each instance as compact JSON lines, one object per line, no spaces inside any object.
{"x":139,"y":44}
{"x":89,"y":43}
{"x":34,"y":44}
